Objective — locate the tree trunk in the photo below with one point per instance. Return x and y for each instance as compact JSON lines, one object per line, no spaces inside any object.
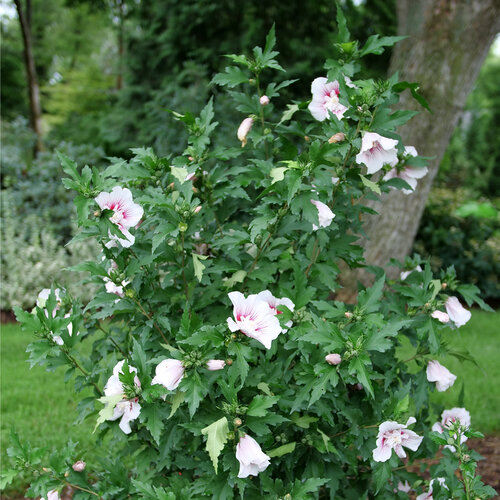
{"x":447,"y":43}
{"x":33,"y":88}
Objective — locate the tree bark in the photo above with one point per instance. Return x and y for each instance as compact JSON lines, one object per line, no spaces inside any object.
{"x":447,"y":43}
{"x":33,"y":88}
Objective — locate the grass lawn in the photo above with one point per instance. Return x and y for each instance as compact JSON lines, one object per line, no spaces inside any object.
{"x":36,"y":403}
{"x":481,"y":337}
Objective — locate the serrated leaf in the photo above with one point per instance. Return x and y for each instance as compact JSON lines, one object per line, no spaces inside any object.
{"x":290,"y":111}
{"x":282,"y":450}
{"x":106,"y":413}
{"x":233,"y":76}
{"x":154,"y":424}
{"x":259,"y":405}
{"x":177,"y":400}
{"x":277,"y":174}
{"x":358,"y":366}
{"x":237,"y":277}
{"x":375,"y":44}
{"x":216,"y":439}
{"x":370,"y":185}
{"x":180,"y":173}
{"x":198,"y":266}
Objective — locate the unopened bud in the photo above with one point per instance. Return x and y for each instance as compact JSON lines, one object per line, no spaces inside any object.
{"x":97,"y":213}
{"x":229,"y":361}
{"x":234,"y":336}
{"x":45,"y":469}
{"x":450,"y":440}
{"x":215,"y":364}
{"x":333,"y":359}
{"x":190,"y":158}
{"x":66,"y":474}
{"x":243,"y":130}
{"x":264,"y":100}
{"x":171,"y":185}
{"x":183,"y":227}
{"x":348,"y":314}
{"x":339,"y":137}
{"x":466,"y":458}
{"x":427,"y":304}
{"x":79,"y":466}
{"x":197,"y":209}
{"x":237,"y":422}
{"x":307,"y":138}
{"x":444,"y":285}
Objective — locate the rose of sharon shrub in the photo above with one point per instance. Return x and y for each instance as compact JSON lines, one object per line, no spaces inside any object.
{"x":235,"y":374}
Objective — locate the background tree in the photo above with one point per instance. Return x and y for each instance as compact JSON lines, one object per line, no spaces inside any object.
{"x":447,"y":43}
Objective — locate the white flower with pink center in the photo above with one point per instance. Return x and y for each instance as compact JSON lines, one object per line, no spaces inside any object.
{"x":115,"y":289}
{"x":251,"y":457}
{"x":254,"y":318}
{"x":127,"y":409}
{"x":325,"y":99}
{"x":274,"y":303}
{"x":126,"y":213}
{"x":52,"y":495}
{"x":457,"y":313}
{"x":377,"y":151}
{"x":428,"y":494}
{"x":408,"y":173}
{"x":448,"y":419}
{"x":169,"y":374}
{"x":325,"y":215}
{"x":438,"y":373}
{"x":393,"y":436}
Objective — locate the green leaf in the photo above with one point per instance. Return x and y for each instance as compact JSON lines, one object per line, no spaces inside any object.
{"x":282,"y":450}
{"x":370,"y":185}
{"x":106,"y":413}
{"x":194,"y":390}
{"x":216,"y":438}
{"x":237,"y":277}
{"x":6,"y":477}
{"x":259,"y":404}
{"x":381,"y":473}
{"x":414,"y":88}
{"x":232,"y":77}
{"x":179,"y":173}
{"x":177,"y":400}
{"x":343,"y":31}
{"x":377,"y":340}
{"x":198,"y":266}
{"x":375,"y":44}
{"x":358,"y":366}
{"x":277,"y":174}
{"x":290,"y":111}
{"x":154,"y":423}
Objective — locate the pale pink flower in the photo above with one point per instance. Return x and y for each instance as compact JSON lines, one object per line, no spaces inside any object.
{"x":405,"y":274}
{"x":377,"y":151}
{"x":79,"y":466}
{"x":436,"y":372}
{"x":127,"y":409}
{"x":441,"y":316}
{"x":115,"y":289}
{"x":393,"y":436}
{"x":215,"y":364}
{"x":169,"y":374}
{"x":333,"y":358}
{"x":404,"y":487}
{"x":126,"y":213}
{"x":428,"y":495}
{"x":457,"y":313}
{"x":408,"y":173}
{"x":254,"y":318}
{"x":325,"y":99}
{"x":335,"y":180}
{"x":274,"y":303}
{"x":243,"y":130}
{"x":264,"y":100}
{"x":52,"y":495}
{"x":325,"y":215}
{"x":251,"y":457}
{"x":448,"y":418}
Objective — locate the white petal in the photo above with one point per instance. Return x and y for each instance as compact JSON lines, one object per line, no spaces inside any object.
{"x":382,"y":453}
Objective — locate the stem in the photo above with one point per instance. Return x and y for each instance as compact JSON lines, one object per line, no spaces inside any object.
{"x":259,"y":92}
{"x":75,"y":363}
{"x":79,"y":488}
{"x":150,"y":316}
{"x":346,"y":431}
{"x":314,"y":255}
{"x":108,"y":336}
{"x":186,"y":289}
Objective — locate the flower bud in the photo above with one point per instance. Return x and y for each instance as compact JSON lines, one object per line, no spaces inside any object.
{"x":450,"y":440}
{"x":229,"y":362}
{"x":171,"y":185}
{"x":243,"y":130}
{"x":339,"y":137}
{"x":190,"y":158}
{"x":333,"y":359}
{"x":197,"y":209}
{"x":307,"y":138}
{"x":237,"y":422}
{"x":264,"y":100}
{"x":45,"y":469}
{"x":444,"y":285}
{"x":183,"y":227}
{"x":97,"y":213}
{"x":348,"y":314}
{"x":79,"y":466}
{"x":215,"y":364}
{"x":66,"y":474}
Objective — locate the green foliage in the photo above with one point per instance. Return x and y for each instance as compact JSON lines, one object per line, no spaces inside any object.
{"x":452,"y":235}
{"x":316,"y":420}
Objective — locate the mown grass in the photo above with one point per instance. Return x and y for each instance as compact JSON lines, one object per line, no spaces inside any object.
{"x":37,"y":404}
{"x":481,"y":337}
